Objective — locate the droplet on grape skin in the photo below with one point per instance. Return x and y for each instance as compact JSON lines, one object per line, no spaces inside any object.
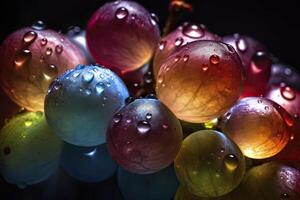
{"x":50,"y":72}
{"x":288,"y":93}
{"x":186,"y":58}
{"x":199,"y":168}
{"x":99,"y":88}
{"x":49,"y":51}
{"x":23,"y":57}
{"x":38,"y":25}
{"x":44,"y":41}
{"x":36,"y":141}
{"x":162,"y":45}
{"x":152,"y":147}
{"x":178,"y":41}
{"x":193,"y":31}
{"x":260,"y":141}
{"x":117,"y":118}
{"x":121,"y":13}
{"x":59,"y":49}
{"x":29,"y":37}
{"x":87,"y":77}
{"x":260,"y":61}
{"x":198,"y":77}
{"x":241,"y":44}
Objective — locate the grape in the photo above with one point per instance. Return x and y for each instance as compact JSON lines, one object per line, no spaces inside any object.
{"x":159,"y":186}
{"x":30,"y":60}
{"x":258,"y":126}
{"x":200,"y":81}
{"x":256,"y":62}
{"x":88,"y":164}
{"x":122,"y":35}
{"x":209,"y":164}
{"x":183,"y":35}
{"x":29,"y":150}
{"x":144,"y":136}
{"x":81,"y":102}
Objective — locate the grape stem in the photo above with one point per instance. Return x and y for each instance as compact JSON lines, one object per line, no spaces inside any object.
{"x":176,"y":9}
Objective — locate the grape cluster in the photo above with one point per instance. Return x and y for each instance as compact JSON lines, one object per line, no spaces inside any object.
{"x":190,"y":115}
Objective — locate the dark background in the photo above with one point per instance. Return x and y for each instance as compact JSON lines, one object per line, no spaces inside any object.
{"x":275,"y":24}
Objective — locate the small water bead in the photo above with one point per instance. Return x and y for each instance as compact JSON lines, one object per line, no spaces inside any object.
{"x":193,"y":31}
{"x":121,"y":13}
{"x":260,"y":61}
{"x":284,"y":196}
{"x":162,"y":45}
{"x":148,"y":116}
{"x":23,"y":57}
{"x":50,"y":72}
{"x":57,"y":86}
{"x":288,"y":93}
{"x":178,"y":41}
{"x":117,"y":118}
{"x":231,"y":162}
{"x":177,"y":58}
{"x":143,"y":127}
{"x":154,"y":19}
{"x":49,"y":51}
{"x":214,"y":59}
{"x":165,"y":126}
{"x":204,"y":67}
{"x":6,"y":151}
{"x":128,"y":100}
{"x":241,"y":44}
{"x":28,"y":123}
{"x":44,"y":42}
{"x":150,"y":96}
{"x":186,"y":58}
{"x":29,"y":37}
{"x":87,"y":77}
{"x":59,"y":49}
{"x":88,"y":92}
{"x":99,"y":88}
{"x":38,"y":25}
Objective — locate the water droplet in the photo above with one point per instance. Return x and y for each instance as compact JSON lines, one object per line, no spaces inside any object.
{"x":121,"y":13}
{"x":165,"y":126}
{"x":108,"y":84}
{"x":49,"y":51}
{"x":288,"y":93}
{"x":150,"y":96}
{"x":99,"y":88}
{"x":44,"y":42}
{"x":50,"y":72}
{"x":88,"y":92}
{"x":177,"y":58}
{"x":38,"y":25}
{"x":128,"y":100}
{"x":162,"y":45}
{"x":186,"y":58}
{"x":154,"y":19}
{"x":214,"y":59}
{"x":59,"y":49}
{"x":222,"y":150}
{"x":178,"y":41}
{"x":143,"y":127}
{"x":231,"y":162}
{"x":241,"y":44}
{"x":57,"y":86}
{"x":267,"y":108}
{"x":284,"y":196}
{"x":193,"y":31}
{"x":117,"y":118}
{"x":133,"y":16}
{"x":160,"y":79}
{"x":28,"y":123}
{"x":260,"y":61}
{"x":87,"y":77}
{"x":29,"y":37}
{"x":148,"y":116}
{"x":230,"y":48}
{"x":259,"y":101}
{"x":136,"y":85}
{"x":204,"y":67}
{"x":6,"y":151}
{"x":22,"y":57}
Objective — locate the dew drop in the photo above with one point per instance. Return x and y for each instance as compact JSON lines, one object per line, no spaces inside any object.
{"x":186,"y":58}
{"x":231,"y":162}
{"x":222,"y":150}
{"x":267,"y":108}
{"x":177,"y":58}
{"x":50,"y":72}
{"x":29,"y":37}
{"x":57,"y":86}
{"x":259,"y":101}
{"x":162,"y":45}
{"x":38,"y":25}
{"x":154,"y":19}
{"x":143,"y":127}
{"x":99,"y":88}
{"x":128,"y":100}
{"x":121,"y":13}
{"x":22,"y":57}
{"x":230,"y":48}
{"x":241,"y":44}
{"x":204,"y":67}
{"x":28,"y":123}
{"x":260,"y":61}
{"x":87,"y":77}
{"x":44,"y":42}
{"x":165,"y":126}
{"x":88,"y":92}
{"x":287,"y":93}
{"x":59,"y":49}
{"x":117,"y":118}
{"x":6,"y":151}
{"x":148,"y":116}
{"x":192,"y":31}
{"x":150,"y":96}
{"x":178,"y":41}
{"x":284,"y":196}
{"x":49,"y":51}
{"x":214,"y":59}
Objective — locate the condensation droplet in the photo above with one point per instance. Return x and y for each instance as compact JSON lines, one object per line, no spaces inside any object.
{"x":154,"y":19}
{"x":117,"y":118}
{"x":177,"y":58}
{"x":28,"y":123}
{"x":143,"y":127}
{"x":162,"y":45}
{"x":99,"y":88}
{"x":87,"y":77}
{"x":231,"y":162}
{"x":49,"y":51}
{"x":38,"y":25}
{"x":50,"y":72}
{"x":284,"y":196}
{"x":241,"y":44}
{"x":178,"y":41}
{"x":22,"y":57}
{"x":192,"y":31}
{"x":29,"y":37}
{"x":59,"y":49}
{"x":121,"y":13}
{"x":204,"y":67}
{"x":214,"y":59}
{"x":186,"y":58}
{"x":44,"y":42}
{"x":148,"y":116}
{"x":287,"y":93}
